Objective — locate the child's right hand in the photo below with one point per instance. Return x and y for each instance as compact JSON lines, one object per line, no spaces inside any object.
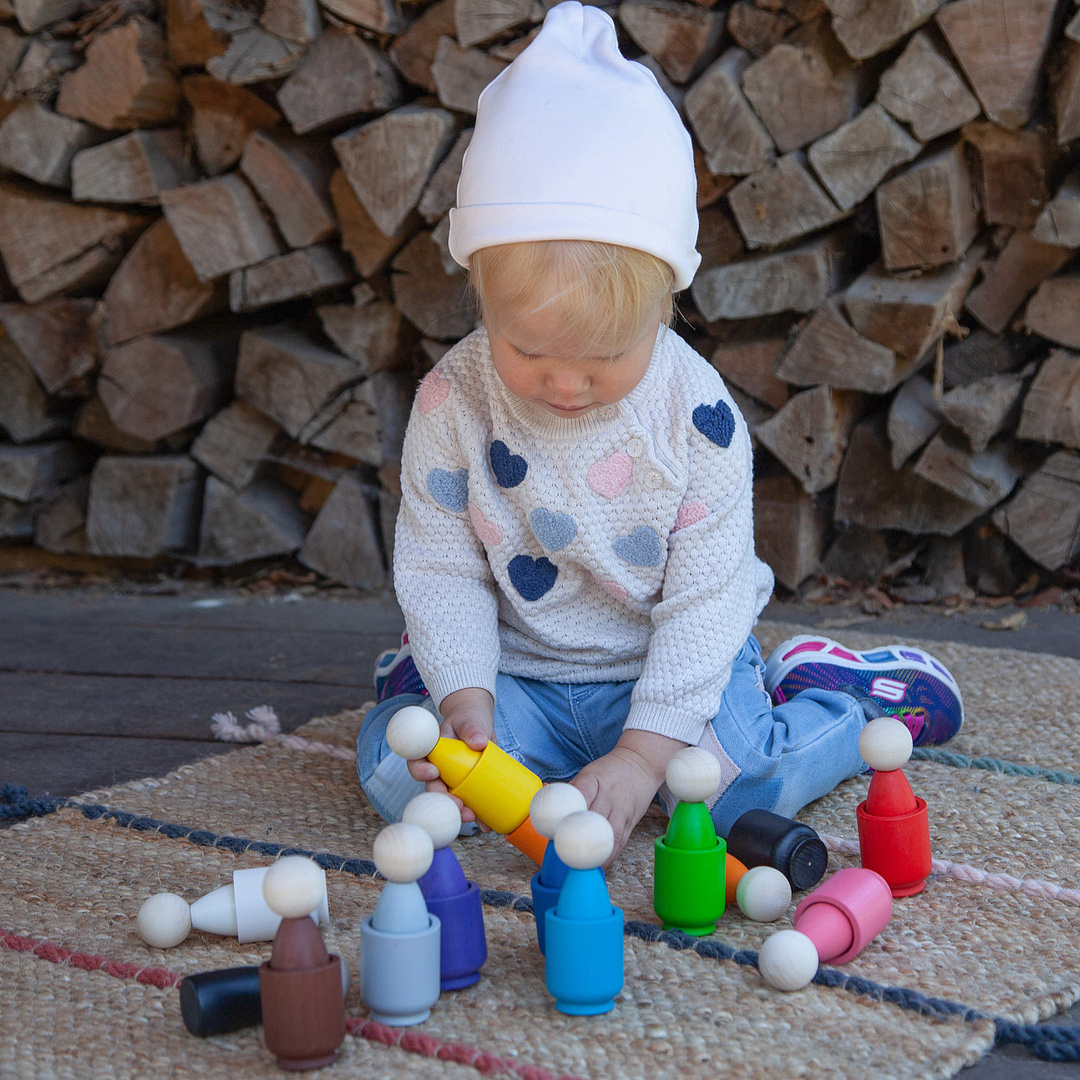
{"x":468,"y":715}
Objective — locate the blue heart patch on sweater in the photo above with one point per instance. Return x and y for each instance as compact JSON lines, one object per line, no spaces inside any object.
{"x":640,"y":548}
{"x":532,"y":577}
{"x":449,"y":489}
{"x":715,"y":422}
{"x":509,"y":469}
{"x":552,"y":529}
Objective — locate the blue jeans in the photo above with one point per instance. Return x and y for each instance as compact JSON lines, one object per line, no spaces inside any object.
{"x":775,"y":759}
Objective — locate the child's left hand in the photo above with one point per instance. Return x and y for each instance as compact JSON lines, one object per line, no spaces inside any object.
{"x":621,"y":785}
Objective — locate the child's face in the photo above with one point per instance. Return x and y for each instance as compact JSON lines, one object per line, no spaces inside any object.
{"x":559,"y":378}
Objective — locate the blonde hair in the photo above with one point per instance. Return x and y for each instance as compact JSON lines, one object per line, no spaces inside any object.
{"x":602,"y":294}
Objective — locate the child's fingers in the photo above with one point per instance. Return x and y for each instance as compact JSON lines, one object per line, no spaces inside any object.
{"x":472,"y":731}
{"x":422,"y":769}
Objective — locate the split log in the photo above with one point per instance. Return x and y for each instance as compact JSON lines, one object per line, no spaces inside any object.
{"x":719,"y":240}
{"x":1010,"y":172}
{"x":17,"y":519}
{"x":343,"y":542}
{"x":810,"y":433}
{"x":31,"y":471}
{"x":984,"y":408}
{"x":982,"y":354}
{"x":159,"y":384}
{"x":440,"y":195}
{"x":432,"y":299}
{"x":923,"y":88}
{"x":303,"y":272}
{"x":366,"y":422}
{"x":135,"y":168}
{"x":413,"y":52}
{"x":479,"y":21}
{"x":293,"y":178}
{"x":219,"y":225}
{"x":795,"y":280}
{"x":681,"y":37}
{"x":1059,"y":220}
{"x":803,"y":88}
{"x":461,"y":74}
{"x":26,"y":414}
{"x":256,"y":523}
{"x":780,"y":203}
{"x":868,"y":27}
{"x":296,"y":21}
{"x":927,"y":214}
{"x":369,"y":249}
{"x":910,"y":314}
{"x":756,"y":29}
{"x":143,"y":506}
{"x":289,"y":378}
{"x":1072,"y":28}
{"x":734,"y":139}
{"x":12,"y":47}
{"x":914,"y":418}
{"x":341,"y":77}
{"x":857,"y":554}
{"x":1054,"y":311}
{"x":709,"y":187}
{"x":1022,"y":265}
{"x":56,"y":339}
{"x":38,"y":75}
{"x":828,"y":349}
{"x":93,"y":424}
{"x":982,"y":478}
{"x":222,"y":119}
{"x":49,"y":246}
{"x":858,"y":155}
{"x":1051,"y":411}
{"x":156,"y":288}
{"x":749,"y":365}
{"x":371,"y":332}
{"x":1066,"y":96}
{"x":1043,"y":519}
{"x":382,"y":16}
{"x":191,"y":39}
{"x":789,"y":529}
{"x":255,"y":55}
{"x":753,"y":411}
{"x":389,"y":506}
{"x":1000,"y":45}
{"x":126,"y":81}
{"x":234,"y":443}
{"x":60,"y":524}
{"x":872,"y":494}
{"x":388,"y":161}
{"x":35,"y":15}
{"x":40,"y":144}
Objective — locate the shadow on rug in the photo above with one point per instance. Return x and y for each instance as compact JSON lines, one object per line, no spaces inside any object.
{"x":989,"y":949}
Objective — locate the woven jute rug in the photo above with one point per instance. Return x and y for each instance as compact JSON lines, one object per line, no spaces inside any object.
{"x":989,"y":949}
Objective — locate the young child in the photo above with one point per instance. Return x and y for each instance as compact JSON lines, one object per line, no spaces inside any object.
{"x":574,"y":554}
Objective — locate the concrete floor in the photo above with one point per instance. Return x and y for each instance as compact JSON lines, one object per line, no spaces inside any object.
{"x":99,"y":686}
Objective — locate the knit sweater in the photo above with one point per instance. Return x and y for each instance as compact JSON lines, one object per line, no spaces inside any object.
{"x":612,"y":546}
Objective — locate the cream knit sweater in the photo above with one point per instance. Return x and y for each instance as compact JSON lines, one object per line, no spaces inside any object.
{"x":617,"y":545}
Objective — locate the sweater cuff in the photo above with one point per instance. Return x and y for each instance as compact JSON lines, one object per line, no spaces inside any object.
{"x":665,"y":720}
{"x":444,"y":682}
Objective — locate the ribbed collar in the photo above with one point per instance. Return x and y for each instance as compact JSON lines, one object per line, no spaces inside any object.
{"x":545,"y":425}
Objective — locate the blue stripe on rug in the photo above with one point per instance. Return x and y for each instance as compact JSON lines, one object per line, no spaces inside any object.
{"x":960,"y":761}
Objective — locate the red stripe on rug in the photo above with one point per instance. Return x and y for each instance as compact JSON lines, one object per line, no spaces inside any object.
{"x":415,"y":1042}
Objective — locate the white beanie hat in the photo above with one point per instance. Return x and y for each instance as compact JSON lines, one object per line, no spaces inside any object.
{"x":575,"y":142}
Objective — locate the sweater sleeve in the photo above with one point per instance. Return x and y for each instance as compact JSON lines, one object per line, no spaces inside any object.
{"x":714,"y":588}
{"x":442,"y":578}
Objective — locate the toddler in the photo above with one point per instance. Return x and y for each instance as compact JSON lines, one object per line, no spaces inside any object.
{"x":574,"y":554}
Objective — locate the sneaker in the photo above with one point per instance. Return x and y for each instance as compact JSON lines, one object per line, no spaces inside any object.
{"x":395,"y":672}
{"x":906,"y":682}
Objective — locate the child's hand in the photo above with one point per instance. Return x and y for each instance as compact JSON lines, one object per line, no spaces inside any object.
{"x":468,"y":715}
{"x":621,"y":785}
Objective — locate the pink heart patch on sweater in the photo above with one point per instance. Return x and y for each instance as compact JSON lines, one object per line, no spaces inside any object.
{"x":488,"y":531}
{"x":433,"y":390}
{"x":614,"y":588}
{"x":689,"y":512}
{"x":610,"y":476}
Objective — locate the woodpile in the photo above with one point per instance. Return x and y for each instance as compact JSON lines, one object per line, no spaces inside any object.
{"x":223,"y":236}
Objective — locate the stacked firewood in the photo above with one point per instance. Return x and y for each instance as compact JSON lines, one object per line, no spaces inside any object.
{"x":223,"y":233}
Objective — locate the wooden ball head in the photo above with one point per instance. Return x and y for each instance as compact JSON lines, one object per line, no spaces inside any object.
{"x":584,"y":840}
{"x":412,"y":733}
{"x":164,"y":920}
{"x":693,"y":774}
{"x":437,"y":814}
{"x":551,"y":804}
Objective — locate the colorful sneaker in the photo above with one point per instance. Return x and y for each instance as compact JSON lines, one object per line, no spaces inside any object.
{"x":906,"y":682}
{"x":395,"y":672}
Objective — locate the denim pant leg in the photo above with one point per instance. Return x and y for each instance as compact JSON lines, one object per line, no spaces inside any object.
{"x":789,"y":755}
{"x":383,"y":775}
